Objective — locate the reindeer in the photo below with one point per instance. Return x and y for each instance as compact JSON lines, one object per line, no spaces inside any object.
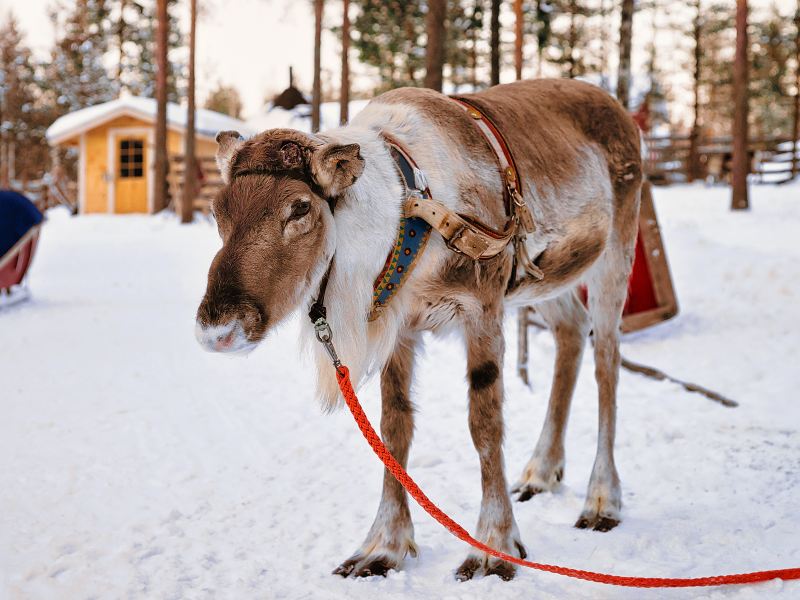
{"x":578,"y":156}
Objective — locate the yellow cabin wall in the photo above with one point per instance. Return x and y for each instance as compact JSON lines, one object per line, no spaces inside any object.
{"x":97,"y":170}
{"x":96,"y":162}
{"x":205,"y":147}
{"x":202,"y":147}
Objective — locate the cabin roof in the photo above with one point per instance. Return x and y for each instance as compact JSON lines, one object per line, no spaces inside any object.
{"x":207,"y":122}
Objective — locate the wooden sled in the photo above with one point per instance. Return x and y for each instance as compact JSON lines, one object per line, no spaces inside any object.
{"x":651,"y":295}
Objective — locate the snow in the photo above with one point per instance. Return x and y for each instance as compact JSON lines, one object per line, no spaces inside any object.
{"x":137,"y":466}
{"x":299,"y":117}
{"x":207,"y":122}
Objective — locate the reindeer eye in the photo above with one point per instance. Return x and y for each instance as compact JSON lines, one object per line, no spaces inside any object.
{"x":300,"y":209}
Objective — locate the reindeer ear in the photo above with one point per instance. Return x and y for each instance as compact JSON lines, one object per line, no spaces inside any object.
{"x":229,"y":142}
{"x":335,"y":167}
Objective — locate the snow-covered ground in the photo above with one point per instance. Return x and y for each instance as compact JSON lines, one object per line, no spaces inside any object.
{"x":136,"y":466}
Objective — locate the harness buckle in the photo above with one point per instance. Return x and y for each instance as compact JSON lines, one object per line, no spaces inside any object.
{"x":474,"y":248}
{"x":451,"y":243}
{"x":523,"y":213}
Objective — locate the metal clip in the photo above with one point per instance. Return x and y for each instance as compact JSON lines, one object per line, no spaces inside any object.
{"x":325,"y":336}
{"x":523,"y":213}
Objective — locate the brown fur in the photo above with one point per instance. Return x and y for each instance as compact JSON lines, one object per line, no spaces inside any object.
{"x":569,"y":139}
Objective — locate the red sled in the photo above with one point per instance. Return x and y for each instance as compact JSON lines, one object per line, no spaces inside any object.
{"x":14,"y":263}
{"x":651,"y":295}
{"x":20,"y":224}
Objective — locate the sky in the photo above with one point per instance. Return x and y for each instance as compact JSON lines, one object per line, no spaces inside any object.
{"x":247,"y":43}
{"x":251,"y":43}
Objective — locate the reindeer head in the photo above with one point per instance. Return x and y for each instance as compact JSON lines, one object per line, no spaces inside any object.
{"x":277,"y":231}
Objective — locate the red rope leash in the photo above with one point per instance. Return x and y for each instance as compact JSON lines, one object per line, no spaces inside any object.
{"x":396,"y":469}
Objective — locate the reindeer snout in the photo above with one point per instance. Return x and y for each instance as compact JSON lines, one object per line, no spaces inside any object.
{"x":228,"y":337}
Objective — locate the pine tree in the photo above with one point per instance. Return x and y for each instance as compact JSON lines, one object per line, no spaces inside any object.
{"x":316,"y":94}
{"x":796,"y":111}
{"x":17,"y":101}
{"x":225,"y":99}
{"x":435,"y":43}
{"x":625,"y":43}
{"x":474,"y":29}
{"x":741,"y":162}
{"x":718,"y":36}
{"x":190,"y":183}
{"x":388,"y":36}
{"x":657,"y":94}
{"x":160,"y":161}
{"x":519,"y":37}
{"x":544,"y":30}
{"x":140,"y":72}
{"x":494,"y":42}
{"x":569,"y":43}
{"x":344,"y":80}
{"x":463,"y":36}
{"x":77,"y":73}
{"x":771,"y":50}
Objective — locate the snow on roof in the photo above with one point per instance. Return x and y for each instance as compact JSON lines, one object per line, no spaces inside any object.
{"x":208,"y":122}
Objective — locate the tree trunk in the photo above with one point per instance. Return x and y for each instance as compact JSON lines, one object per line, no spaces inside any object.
{"x":473,"y":53}
{"x":494,"y":42}
{"x":344,"y":92}
{"x":625,"y":37}
{"x":121,"y":30}
{"x":190,"y":165}
{"x":739,"y":199}
{"x":694,"y":137}
{"x":573,"y":38}
{"x":160,"y":174}
{"x":796,"y":121}
{"x":518,"y":39}
{"x":434,"y":51}
{"x":605,"y":28}
{"x":316,"y":96}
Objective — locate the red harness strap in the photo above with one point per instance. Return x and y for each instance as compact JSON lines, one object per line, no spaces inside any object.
{"x":399,"y":473}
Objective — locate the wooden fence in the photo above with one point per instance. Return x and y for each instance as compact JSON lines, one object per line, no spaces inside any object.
{"x":669,"y":159}
{"x":209,"y":182}
{"x":52,"y":190}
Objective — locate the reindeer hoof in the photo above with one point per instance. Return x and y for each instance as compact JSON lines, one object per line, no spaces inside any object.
{"x":346,"y":567}
{"x":468,"y":569}
{"x":537,"y":480}
{"x":380,"y":566}
{"x":597,"y":522}
{"x":490,"y":565}
{"x":362,"y":566}
{"x":504,"y":570}
{"x":526,"y":492}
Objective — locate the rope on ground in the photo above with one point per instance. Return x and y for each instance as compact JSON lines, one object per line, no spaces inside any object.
{"x":399,"y":473}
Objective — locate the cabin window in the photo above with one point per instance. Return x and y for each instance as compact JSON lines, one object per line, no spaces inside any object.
{"x":131,"y":158}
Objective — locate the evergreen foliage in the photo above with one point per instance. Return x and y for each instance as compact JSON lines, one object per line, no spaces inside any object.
{"x":225,"y":99}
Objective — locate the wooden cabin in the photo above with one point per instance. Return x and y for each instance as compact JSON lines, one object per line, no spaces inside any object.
{"x":115,"y":142}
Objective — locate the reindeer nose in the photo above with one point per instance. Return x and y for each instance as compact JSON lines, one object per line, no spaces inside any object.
{"x":227,"y":337}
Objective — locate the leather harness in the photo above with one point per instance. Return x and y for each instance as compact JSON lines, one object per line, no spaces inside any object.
{"x":462,"y":234}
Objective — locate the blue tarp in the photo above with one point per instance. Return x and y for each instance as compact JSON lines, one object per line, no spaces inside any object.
{"x":17,"y":216}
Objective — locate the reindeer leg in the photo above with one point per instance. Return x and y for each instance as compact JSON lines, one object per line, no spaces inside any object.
{"x":496,"y":525}
{"x":608,"y":288}
{"x":569,"y":323}
{"x":391,"y":536}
